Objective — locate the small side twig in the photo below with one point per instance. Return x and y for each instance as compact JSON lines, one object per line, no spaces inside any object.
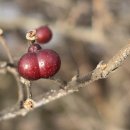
{"x":19,"y":84}
{"x":4,"y":44}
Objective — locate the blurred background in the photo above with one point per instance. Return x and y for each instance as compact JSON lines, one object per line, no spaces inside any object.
{"x":85,"y":32}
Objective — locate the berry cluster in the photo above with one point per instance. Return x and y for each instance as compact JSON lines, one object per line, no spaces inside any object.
{"x":37,"y":62}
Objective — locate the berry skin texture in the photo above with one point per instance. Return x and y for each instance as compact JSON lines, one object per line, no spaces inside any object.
{"x":40,"y":64}
{"x":28,"y":66}
{"x":49,"y":63}
{"x":43,"y":34}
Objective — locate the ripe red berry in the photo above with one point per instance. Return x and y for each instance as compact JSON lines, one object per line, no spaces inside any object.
{"x":28,"y":66}
{"x":39,"y":64}
{"x":43,"y":34}
{"x":49,"y":63}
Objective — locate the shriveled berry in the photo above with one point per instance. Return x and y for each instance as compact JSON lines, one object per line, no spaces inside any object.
{"x":43,"y":34}
{"x":34,"y":48}
{"x":39,"y":64}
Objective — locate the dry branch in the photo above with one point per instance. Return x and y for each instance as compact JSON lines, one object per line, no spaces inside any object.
{"x":101,"y":71}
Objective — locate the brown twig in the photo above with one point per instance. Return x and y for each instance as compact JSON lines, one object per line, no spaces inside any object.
{"x":19,"y":84}
{"x":4,"y":44}
{"x":4,"y":68}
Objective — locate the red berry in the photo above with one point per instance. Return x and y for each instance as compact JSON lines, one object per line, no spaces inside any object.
{"x":39,"y":64}
{"x":28,"y":66}
{"x":43,"y":34}
{"x":49,"y":62}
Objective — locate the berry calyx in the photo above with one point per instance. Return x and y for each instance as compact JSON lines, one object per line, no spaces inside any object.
{"x":43,"y":34}
{"x":34,"y":48}
{"x":39,"y":64}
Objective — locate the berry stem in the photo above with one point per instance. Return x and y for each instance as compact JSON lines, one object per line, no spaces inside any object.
{"x":4,"y":44}
{"x":29,"y":92}
{"x":28,"y":89}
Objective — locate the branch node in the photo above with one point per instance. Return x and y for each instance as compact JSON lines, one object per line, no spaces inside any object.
{"x":101,"y":66}
{"x":29,"y":104}
{"x":24,"y":81}
{"x":74,"y":78}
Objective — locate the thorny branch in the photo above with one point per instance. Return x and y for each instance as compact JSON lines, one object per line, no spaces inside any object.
{"x":101,"y":71}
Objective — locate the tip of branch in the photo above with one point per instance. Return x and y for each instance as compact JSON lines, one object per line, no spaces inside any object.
{"x":1,"y":31}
